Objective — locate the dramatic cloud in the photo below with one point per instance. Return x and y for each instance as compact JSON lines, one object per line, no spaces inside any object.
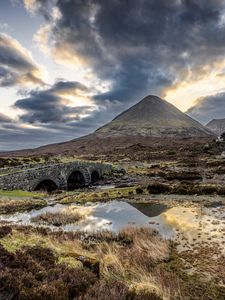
{"x":52,"y":105}
{"x":140,"y":47}
{"x":208,"y":108}
{"x":18,"y":136}
{"x":120,"y":51}
{"x":16,"y":64}
{"x":4,"y":119}
{"x":48,"y":116}
{"x":37,"y":5}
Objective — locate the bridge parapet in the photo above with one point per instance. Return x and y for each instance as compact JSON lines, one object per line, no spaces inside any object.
{"x":59,"y":173}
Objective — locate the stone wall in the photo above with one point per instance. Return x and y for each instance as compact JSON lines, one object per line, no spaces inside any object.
{"x":29,"y":178}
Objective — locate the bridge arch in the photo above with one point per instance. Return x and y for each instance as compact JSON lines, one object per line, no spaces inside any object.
{"x":75,"y":180}
{"x":47,"y":185}
{"x":95,"y":177}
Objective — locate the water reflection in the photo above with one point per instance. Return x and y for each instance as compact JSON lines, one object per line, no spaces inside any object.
{"x":114,"y":216}
{"x":150,"y":210}
{"x":189,"y":226}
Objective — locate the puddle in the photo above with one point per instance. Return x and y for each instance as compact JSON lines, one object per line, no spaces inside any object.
{"x":114,"y":216}
{"x":105,"y":187}
{"x":188,"y":226}
{"x":214,"y":204}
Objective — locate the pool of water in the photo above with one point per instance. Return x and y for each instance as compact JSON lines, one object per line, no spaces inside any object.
{"x":188,"y":226}
{"x":105,"y":187}
{"x":114,"y":216}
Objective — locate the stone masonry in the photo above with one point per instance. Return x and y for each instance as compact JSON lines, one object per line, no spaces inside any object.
{"x":29,"y":178}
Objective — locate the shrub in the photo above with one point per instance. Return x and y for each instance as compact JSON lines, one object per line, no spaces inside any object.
{"x":158,"y":188}
{"x":111,"y":290}
{"x":33,"y":273}
{"x":184,"y":189}
{"x":221,"y":191}
{"x":105,"y":195}
{"x":6,"y":258}
{"x":4,"y":231}
{"x":44,"y":256}
{"x":8,"y":289}
{"x":219,"y":171}
{"x":115,"y":290}
{"x":51,"y":291}
{"x":139,"y":190}
{"x":183,"y":176}
{"x":144,"y":294}
{"x":208,"y":190}
{"x":187,"y":189}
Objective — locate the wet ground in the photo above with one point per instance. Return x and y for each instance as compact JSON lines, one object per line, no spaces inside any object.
{"x":188,"y":226}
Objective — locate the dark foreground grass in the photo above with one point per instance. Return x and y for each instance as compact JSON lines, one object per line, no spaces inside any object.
{"x":33,"y":273}
{"x":135,"y":264}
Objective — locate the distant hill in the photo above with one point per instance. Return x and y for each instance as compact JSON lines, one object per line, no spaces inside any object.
{"x":149,"y":122}
{"x":217,"y":126}
{"x":154,"y":117}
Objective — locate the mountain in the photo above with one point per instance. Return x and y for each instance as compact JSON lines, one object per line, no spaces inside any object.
{"x":217,"y":126}
{"x":153,"y":117}
{"x":149,"y":123}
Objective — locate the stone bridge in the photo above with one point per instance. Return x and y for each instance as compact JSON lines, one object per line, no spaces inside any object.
{"x":50,"y":177}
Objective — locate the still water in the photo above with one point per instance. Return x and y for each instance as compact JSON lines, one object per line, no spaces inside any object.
{"x":188,"y":226}
{"x":114,"y":216}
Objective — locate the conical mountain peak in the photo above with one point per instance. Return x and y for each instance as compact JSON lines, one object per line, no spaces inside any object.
{"x":153,"y":116}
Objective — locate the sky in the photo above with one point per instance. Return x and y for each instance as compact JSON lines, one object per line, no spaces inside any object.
{"x":68,"y":67}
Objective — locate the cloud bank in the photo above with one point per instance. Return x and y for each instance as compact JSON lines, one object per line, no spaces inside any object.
{"x":140,"y":47}
{"x":16,"y":64}
{"x":51,"y":105}
{"x":208,"y":108}
{"x":129,"y":48}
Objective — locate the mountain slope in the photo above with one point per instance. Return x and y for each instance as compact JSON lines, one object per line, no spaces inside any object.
{"x":150,"y":122}
{"x":217,"y":126}
{"x":154,"y":117}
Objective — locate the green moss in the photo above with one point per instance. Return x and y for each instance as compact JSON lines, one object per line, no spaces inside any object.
{"x":106,"y":195}
{"x":20,"y":194}
{"x":138,"y":170}
{"x":70,"y":261}
{"x":17,"y":239}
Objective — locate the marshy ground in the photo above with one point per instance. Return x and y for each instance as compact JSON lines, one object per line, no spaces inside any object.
{"x":156,"y":232}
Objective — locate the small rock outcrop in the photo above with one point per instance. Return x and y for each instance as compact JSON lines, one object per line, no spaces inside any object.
{"x":217,"y":126}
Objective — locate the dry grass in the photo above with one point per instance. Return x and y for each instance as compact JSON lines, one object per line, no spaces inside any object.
{"x":8,"y":206}
{"x":69,"y":215}
{"x":127,"y":258}
{"x":133,"y":264}
{"x":58,"y":218}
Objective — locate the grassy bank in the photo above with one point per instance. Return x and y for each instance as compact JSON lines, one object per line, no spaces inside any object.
{"x":134,"y":264}
{"x":98,"y":195}
{"x":21,"y":194}
{"x":8,"y":206}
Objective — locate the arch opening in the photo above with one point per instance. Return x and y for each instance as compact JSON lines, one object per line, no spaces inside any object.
{"x":95,"y":177}
{"x":46,"y":185}
{"x":75,"y":180}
